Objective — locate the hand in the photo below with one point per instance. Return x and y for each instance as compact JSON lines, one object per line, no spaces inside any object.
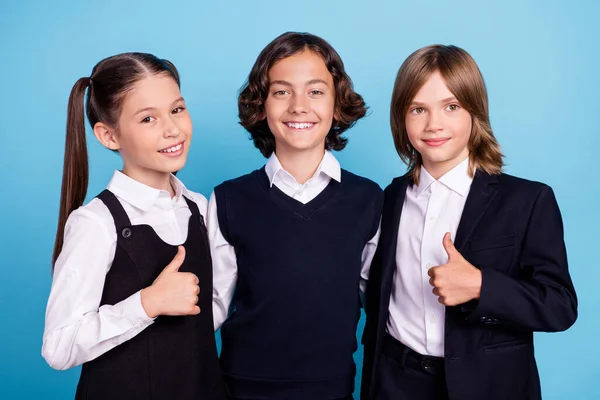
{"x":172,"y":292}
{"x":457,"y":281}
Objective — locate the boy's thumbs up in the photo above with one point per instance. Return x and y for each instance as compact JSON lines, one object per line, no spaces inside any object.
{"x":453,"y":254}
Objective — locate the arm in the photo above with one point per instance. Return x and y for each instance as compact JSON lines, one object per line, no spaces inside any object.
{"x":224,"y":266}
{"x":367,"y":258}
{"x":77,"y":329}
{"x":542,"y":298}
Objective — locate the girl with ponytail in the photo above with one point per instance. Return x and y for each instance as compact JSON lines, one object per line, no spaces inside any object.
{"x":131,"y":297}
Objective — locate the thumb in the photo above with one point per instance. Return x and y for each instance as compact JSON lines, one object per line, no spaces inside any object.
{"x":177,"y":260}
{"x":453,"y":254}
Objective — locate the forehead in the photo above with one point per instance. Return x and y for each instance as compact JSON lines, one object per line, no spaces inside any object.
{"x":158,"y":90}
{"x":434,"y":89}
{"x":300,"y":68}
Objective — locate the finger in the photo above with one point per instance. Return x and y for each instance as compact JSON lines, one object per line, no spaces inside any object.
{"x":436,"y":291}
{"x":431,"y":281}
{"x":449,"y":247}
{"x":442,"y":300}
{"x":197,"y":290}
{"x":177,"y":261}
{"x":191,"y":278}
{"x":196,"y":310}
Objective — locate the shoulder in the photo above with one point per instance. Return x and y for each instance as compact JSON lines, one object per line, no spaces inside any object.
{"x":247,"y":183}
{"x":396,"y":184}
{"x":94,"y":218}
{"x":357,"y":181}
{"x":240,"y":180}
{"x":199,"y":199}
{"x":522,"y":186}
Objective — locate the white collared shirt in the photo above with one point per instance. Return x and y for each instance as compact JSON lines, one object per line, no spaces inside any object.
{"x":431,"y":208}
{"x":77,"y":329}
{"x":223,"y":253}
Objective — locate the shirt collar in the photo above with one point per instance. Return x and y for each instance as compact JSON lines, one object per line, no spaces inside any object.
{"x":140,"y":195}
{"x":329,"y":166}
{"x":457,"y":179}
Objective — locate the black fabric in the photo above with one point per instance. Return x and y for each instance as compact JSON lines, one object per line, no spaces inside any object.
{"x":175,"y":357}
{"x":406,"y":375}
{"x":511,"y":229}
{"x":292,"y":330}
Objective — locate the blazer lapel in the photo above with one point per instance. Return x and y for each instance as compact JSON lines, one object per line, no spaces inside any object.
{"x":480,"y":196}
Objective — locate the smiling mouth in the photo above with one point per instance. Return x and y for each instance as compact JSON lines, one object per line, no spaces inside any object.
{"x":300,"y":125}
{"x":172,"y":150}
{"x":436,"y":142}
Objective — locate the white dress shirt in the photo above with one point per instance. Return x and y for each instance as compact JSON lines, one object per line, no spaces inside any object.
{"x":77,"y":329}
{"x":431,"y":208}
{"x":223,"y":253}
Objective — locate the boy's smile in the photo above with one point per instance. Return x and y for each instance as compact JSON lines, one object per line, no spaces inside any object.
{"x":300,"y":105}
{"x":438,"y":127}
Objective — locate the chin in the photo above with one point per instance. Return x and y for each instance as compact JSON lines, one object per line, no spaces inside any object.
{"x":176,"y":166}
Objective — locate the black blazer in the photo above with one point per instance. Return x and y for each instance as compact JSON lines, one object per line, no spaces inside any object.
{"x":512,"y":230}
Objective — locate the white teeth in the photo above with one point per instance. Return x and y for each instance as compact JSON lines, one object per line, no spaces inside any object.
{"x":302,"y":125}
{"x":171,"y":149}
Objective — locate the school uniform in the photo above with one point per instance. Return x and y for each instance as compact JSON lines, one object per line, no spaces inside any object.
{"x":114,"y":247}
{"x":289,"y":260}
{"x":509,"y":228}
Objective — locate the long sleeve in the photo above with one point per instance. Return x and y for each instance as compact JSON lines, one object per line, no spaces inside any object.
{"x":77,"y":329}
{"x":224,"y":266}
{"x":367,"y":258}
{"x":542,"y":298}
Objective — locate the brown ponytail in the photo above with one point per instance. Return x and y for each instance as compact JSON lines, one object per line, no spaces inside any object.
{"x":75,"y":168}
{"x":110,"y":81}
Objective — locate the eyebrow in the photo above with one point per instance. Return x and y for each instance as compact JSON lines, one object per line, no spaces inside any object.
{"x":288,"y":84}
{"x":446,"y":100}
{"x":154,"y":108}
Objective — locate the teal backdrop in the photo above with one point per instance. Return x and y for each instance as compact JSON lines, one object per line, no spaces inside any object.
{"x":540,"y":61}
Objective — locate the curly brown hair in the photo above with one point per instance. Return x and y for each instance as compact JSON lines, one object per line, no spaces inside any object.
{"x":349,"y":105}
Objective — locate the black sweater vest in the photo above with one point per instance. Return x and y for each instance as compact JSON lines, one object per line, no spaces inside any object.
{"x":292,"y":329}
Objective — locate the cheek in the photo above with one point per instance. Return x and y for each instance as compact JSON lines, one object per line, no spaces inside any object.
{"x":414,"y":127}
{"x":327,"y":108}
{"x":186,"y":124}
{"x":463,"y":126}
{"x":273,"y":109}
{"x":141,"y":139}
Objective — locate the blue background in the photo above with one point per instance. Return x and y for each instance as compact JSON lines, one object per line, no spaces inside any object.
{"x":540,"y":61}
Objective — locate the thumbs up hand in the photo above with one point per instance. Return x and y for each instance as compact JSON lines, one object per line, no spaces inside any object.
{"x":457,"y":281}
{"x":173,"y":292}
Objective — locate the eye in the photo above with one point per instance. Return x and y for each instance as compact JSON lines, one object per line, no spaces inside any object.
{"x":178,"y":110}
{"x":452,"y":107}
{"x":280,"y":92}
{"x":147,"y":120}
{"x":417,"y":110}
{"x":316,"y":92}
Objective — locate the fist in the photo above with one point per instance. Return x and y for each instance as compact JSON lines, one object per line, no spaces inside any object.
{"x":457,"y":281}
{"x":172,"y":292}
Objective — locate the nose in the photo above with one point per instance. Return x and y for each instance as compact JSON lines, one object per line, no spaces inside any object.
{"x":298,"y":104}
{"x":434,"y":122}
{"x":171,"y":129}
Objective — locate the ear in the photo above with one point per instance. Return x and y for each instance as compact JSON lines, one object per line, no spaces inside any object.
{"x":106,"y":135}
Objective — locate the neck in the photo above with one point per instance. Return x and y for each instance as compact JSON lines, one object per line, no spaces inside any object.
{"x":154,"y":179}
{"x":439,"y":169}
{"x":301,"y":165}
